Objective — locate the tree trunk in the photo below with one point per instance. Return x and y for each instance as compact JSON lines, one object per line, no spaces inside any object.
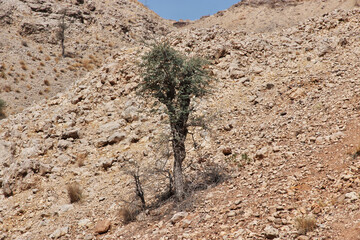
{"x":63,"y":47}
{"x":179,"y":156}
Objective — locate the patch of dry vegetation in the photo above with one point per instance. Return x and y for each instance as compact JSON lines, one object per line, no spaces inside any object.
{"x":127,"y":215}
{"x":305,"y":224}
{"x":74,"y":192}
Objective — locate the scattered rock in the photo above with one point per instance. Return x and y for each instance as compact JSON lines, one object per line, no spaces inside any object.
{"x":227,"y":151}
{"x":352,"y":196}
{"x":270,"y":232}
{"x":59,"y":232}
{"x":178,"y":216}
{"x":102,"y":226}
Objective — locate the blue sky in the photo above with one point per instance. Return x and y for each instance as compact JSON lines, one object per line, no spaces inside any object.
{"x":187,"y":9}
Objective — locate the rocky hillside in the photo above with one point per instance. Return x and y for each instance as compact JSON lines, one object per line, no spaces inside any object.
{"x":31,"y":65}
{"x":268,"y":15}
{"x":279,"y":159}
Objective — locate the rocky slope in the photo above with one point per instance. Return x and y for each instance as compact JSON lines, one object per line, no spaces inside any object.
{"x":31,"y":65}
{"x":283,"y":132}
{"x":269,"y":15}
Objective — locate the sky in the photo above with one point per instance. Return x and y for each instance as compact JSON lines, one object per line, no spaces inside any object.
{"x":187,"y":9}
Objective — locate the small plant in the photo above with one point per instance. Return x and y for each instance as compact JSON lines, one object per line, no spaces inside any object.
{"x":74,"y":192}
{"x":46,"y":82}
{"x":2,"y":75}
{"x":305,"y":224}
{"x":7,"y":88}
{"x":24,"y":43}
{"x":245,"y":159}
{"x":213,"y":175}
{"x":127,"y":215}
{"x":357,"y":152}
{"x":23,"y":65}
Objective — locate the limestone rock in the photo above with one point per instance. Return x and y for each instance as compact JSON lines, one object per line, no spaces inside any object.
{"x":102,"y":226}
{"x":178,"y":216}
{"x":270,"y":232}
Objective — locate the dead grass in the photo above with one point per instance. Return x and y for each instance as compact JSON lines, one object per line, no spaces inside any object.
{"x":7,"y":88}
{"x":80,"y":158}
{"x":87,"y":64}
{"x":127,"y":215}
{"x":23,"y":65}
{"x":357,"y":152}
{"x":2,"y":75}
{"x":74,"y":192}
{"x":305,"y":224}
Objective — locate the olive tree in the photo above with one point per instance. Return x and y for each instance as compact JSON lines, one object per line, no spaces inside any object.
{"x":174,"y":80}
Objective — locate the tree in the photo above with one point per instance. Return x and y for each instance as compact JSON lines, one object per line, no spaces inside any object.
{"x":2,"y":106}
{"x":174,"y":80}
{"x":60,"y":34}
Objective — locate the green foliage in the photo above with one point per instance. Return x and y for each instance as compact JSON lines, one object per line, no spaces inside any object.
{"x":2,"y":107}
{"x":173,"y":79}
{"x":240,"y":163}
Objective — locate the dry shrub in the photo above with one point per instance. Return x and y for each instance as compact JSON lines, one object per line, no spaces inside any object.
{"x":2,"y":75}
{"x":357,"y":152}
{"x":47,"y":58}
{"x":7,"y":88}
{"x":42,"y":64}
{"x":305,"y":224}
{"x":74,"y":192}
{"x":127,"y":214}
{"x":46,"y":82}
{"x":87,"y":64}
{"x":80,"y":158}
